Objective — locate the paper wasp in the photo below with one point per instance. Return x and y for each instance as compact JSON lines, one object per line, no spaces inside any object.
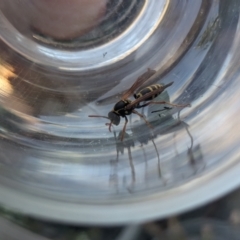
{"x":126,"y":107}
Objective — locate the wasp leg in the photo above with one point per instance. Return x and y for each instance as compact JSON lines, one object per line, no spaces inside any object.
{"x":168,"y":103}
{"x":124,"y":128}
{"x":142,"y":116}
{"x":159,"y":164}
{"x":110,"y":127}
{"x":164,"y":109}
{"x":140,"y":106}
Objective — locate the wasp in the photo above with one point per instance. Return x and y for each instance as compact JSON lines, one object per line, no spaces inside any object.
{"x":143,"y":98}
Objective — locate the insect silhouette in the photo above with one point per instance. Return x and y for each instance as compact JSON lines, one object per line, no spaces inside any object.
{"x":126,"y":107}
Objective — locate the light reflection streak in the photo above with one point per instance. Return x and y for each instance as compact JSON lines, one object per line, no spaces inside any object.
{"x":5,"y":73}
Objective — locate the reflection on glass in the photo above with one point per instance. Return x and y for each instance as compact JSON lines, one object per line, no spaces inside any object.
{"x":62,"y":163}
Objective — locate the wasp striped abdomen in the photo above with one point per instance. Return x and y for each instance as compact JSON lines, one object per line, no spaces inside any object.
{"x":148,"y":90}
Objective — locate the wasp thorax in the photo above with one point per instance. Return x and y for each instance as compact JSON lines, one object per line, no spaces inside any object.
{"x":114,"y":118}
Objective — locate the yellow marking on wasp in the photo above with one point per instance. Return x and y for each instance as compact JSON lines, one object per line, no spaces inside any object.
{"x":126,"y":101}
{"x":150,"y":88}
{"x":156,"y":86}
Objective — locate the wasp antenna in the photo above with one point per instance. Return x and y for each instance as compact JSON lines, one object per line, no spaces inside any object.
{"x":98,"y":116}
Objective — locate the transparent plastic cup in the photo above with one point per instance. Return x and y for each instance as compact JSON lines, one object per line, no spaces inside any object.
{"x":58,"y":163}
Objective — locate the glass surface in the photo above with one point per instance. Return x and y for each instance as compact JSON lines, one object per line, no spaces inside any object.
{"x":58,"y":163}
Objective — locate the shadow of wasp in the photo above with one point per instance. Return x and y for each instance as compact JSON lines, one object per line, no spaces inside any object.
{"x":167,"y":124}
{"x":126,"y":107}
{"x":127,"y":144}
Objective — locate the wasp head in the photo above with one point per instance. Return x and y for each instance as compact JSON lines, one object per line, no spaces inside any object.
{"x":114,"y":118}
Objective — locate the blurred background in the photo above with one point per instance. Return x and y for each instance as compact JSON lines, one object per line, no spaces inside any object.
{"x":218,"y":220}
{"x":64,"y":175}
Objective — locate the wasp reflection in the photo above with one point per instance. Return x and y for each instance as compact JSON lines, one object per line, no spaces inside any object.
{"x":167,"y":124}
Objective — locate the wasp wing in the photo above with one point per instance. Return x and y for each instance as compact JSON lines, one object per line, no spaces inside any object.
{"x":141,"y":79}
{"x":146,"y":96}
